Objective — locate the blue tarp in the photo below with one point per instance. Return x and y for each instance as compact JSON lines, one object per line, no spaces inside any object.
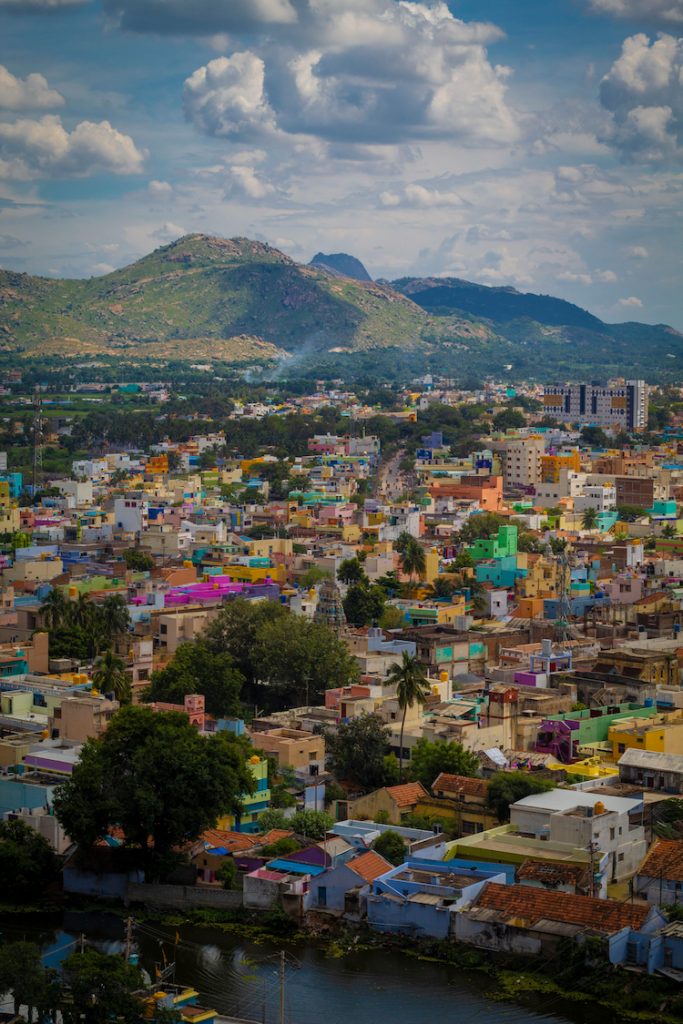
{"x":293,"y":865}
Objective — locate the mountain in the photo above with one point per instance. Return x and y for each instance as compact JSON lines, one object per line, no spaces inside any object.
{"x":241,"y":302}
{"x":339,"y":264}
{"x":498,"y":304}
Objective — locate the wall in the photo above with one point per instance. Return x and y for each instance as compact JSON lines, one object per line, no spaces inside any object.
{"x":181,"y":896}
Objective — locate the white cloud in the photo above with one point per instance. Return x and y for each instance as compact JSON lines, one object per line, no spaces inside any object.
{"x":630,"y":301}
{"x":36,"y":6}
{"x":227,"y":97}
{"x":167,"y":232}
{"x":201,"y":17}
{"x":643,"y":90}
{"x":44,"y":149}
{"x":665,"y":13}
{"x":368,"y":72}
{"x":30,"y":93}
{"x":244,"y":181}
{"x":420,"y":197}
{"x":103,"y":268}
{"x":567,"y":275}
{"x":160,"y":190}
{"x":606,"y":276}
{"x":638,"y":252}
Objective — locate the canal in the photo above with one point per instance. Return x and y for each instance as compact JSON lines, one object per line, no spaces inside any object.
{"x":241,"y":978}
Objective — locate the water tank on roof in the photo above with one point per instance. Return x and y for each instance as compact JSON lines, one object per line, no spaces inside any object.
{"x":599,"y":807}
{"x":648,"y":702}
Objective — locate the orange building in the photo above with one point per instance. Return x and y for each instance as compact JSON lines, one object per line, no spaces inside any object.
{"x":157,"y":464}
{"x":552,"y":465}
{"x":487,"y":490}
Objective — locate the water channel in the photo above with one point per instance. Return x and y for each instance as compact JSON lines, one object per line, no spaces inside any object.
{"x":240,"y":978}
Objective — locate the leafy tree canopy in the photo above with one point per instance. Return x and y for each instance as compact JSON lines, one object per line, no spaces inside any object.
{"x":27,"y":861}
{"x":357,"y":751}
{"x":198,"y":667}
{"x":506,"y":788}
{"x":428,"y":760}
{"x":391,"y":846}
{"x":138,"y":561}
{"x":155,"y":777}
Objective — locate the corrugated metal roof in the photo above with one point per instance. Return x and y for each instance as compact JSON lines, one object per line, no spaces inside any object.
{"x":425,"y":897}
{"x":635,"y":758}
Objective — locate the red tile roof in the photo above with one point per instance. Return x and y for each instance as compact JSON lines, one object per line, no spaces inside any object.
{"x":406,"y":796}
{"x":459,"y":784}
{"x":531,"y":904}
{"x":665,"y":860}
{"x":551,"y":872}
{"x":274,"y":835}
{"x":369,"y":865}
{"x":234,"y":842}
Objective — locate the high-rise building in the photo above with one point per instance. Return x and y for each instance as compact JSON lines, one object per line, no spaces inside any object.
{"x":599,"y":404}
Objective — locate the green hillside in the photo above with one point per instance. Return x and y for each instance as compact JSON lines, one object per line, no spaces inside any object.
{"x":241,"y":302}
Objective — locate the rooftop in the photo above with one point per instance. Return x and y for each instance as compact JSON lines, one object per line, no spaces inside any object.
{"x":370,"y":866}
{"x":665,"y":860}
{"x":407,"y":795}
{"x":460,"y":784}
{"x":651,"y":759}
{"x":532,"y":905}
{"x":550,"y":873}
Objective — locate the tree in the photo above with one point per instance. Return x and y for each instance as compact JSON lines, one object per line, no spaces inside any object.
{"x":391,"y":846}
{"x":110,"y":677}
{"x":174,"y":461}
{"x":356,"y":751}
{"x":273,"y":819}
{"x":413,"y":562}
{"x":83,"y":613}
{"x":595,"y":437}
{"x":235,"y":631}
{"x":411,"y":688}
{"x":27,"y":861}
{"x":137,"y":561}
{"x":155,"y":777}
{"x":669,"y":531}
{"x":350,"y":571}
{"x":589,"y":519}
{"x":197,"y":667}
{"x":114,"y":615}
{"x":506,"y":788}
{"x":55,"y":609}
{"x":102,"y":988}
{"x":403,"y":540}
{"x":442,"y":589}
{"x":630,"y":513}
{"x":464,"y":561}
{"x":299,"y":659}
{"x":313,"y":576}
{"x":428,"y":760}
{"x":227,"y":873}
{"x":389,"y":582}
{"x":363,"y":604}
{"x":508,"y":419}
{"x":22,"y":974}
{"x":392,"y":617}
{"x":312,"y":824}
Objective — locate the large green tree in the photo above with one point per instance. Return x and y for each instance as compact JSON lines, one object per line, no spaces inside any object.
{"x":413,"y":562}
{"x":506,"y":788}
{"x":27,"y":861}
{"x":198,"y":667}
{"x":235,"y":631}
{"x":428,"y":760}
{"x":357,"y":751}
{"x":155,"y":777}
{"x":22,"y":975}
{"x":299,"y":659}
{"x":110,"y":677}
{"x":364,"y":604}
{"x":102,"y":988}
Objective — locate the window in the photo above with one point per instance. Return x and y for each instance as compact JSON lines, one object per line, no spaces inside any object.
{"x":612,"y":833}
{"x":468,"y":828}
{"x":163,"y":628}
{"x":622,"y":748}
{"x":620,"y":830}
{"x":620,"y":857}
{"x":322,"y":896}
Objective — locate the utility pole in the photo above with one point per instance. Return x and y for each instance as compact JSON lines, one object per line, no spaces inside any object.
{"x":82,"y":942}
{"x":129,"y":925}
{"x":282,"y":986}
{"x":37,"y":439}
{"x":592,"y":848}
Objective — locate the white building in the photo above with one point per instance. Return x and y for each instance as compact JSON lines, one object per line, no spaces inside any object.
{"x":601,"y":497}
{"x":600,"y":404}
{"x":583,"y":818}
{"x":130,"y":514}
{"x":82,"y":492}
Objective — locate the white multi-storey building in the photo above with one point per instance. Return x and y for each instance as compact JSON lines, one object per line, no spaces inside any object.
{"x":599,"y":404}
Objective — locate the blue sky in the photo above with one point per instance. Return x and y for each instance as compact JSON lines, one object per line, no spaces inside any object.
{"x":536,"y":145}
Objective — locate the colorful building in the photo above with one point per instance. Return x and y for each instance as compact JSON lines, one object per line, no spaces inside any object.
{"x":254,"y":804}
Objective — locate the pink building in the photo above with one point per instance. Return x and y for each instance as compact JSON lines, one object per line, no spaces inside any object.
{"x":624,"y":589}
{"x":193,"y":706}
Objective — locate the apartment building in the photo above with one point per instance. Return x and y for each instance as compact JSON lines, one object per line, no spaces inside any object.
{"x":522,"y":467}
{"x":599,"y":403}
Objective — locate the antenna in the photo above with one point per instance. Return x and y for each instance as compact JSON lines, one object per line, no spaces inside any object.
{"x":37,"y":439}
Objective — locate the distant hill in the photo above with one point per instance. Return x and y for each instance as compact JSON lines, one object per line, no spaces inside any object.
{"x":498,"y":304}
{"x":241,"y":302}
{"x":341,"y":265}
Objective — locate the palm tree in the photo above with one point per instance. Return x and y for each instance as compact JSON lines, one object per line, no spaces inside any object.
{"x":114,"y":615}
{"x":411,"y":688}
{"x":478,"y":591}
{"x":82,"y":612}
{"x":589,"y":520}
{"x":442,"y":588}
{"x":55,"y":609}
{"x":669,"y":531}
{"x":110,"y":677}
{"x":413,"y":562}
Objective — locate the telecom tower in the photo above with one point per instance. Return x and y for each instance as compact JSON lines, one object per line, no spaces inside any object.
{"x":37,"y":439}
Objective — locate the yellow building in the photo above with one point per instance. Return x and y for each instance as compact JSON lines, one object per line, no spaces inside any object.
{"x":255,"y":574}
{"x":552,"y":466}
{"x":662,"y":734}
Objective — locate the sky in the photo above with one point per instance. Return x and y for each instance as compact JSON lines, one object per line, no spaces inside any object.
{"x":537,"y":144}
